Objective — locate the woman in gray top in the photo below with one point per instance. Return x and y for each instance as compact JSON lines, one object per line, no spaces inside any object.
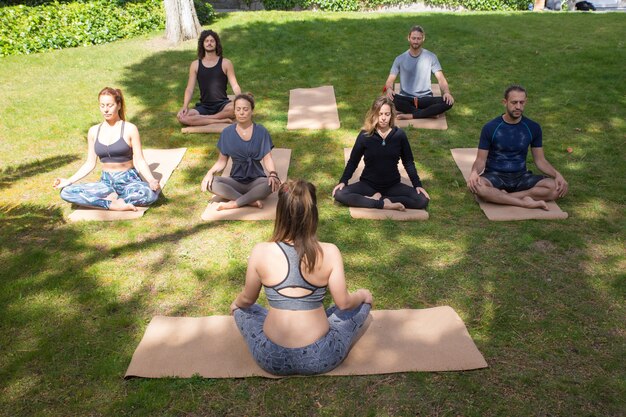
{"x":248,"y":144}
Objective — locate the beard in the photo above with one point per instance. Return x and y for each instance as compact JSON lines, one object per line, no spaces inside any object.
{"x":512,"y":114}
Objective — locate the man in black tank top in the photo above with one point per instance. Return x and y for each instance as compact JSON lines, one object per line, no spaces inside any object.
{"x":212,"y":72}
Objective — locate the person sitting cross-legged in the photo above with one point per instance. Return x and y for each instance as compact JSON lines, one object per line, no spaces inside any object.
{"x":116,"y":142}
{"x":381,"y":145}
{"x":415,"y":67}
{"x":499,"y":174}
{"x":297,"y":335}
{"x":248,"y":144}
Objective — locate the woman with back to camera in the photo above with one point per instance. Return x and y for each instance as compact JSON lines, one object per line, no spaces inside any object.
{"x":296,"y":335}
{"x":247,"y":144}
{"x":118,"y":145}
{"x":381,"y":144}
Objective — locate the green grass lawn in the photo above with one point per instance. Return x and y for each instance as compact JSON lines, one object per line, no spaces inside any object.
{"x":543,"y":300}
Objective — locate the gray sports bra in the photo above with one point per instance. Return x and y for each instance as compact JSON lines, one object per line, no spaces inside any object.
{"x":294,"y":279}
{"x":118,"y":151}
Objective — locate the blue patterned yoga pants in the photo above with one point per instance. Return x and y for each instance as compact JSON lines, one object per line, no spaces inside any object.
{"x":318,"y":357}
{"x":126,"y":184}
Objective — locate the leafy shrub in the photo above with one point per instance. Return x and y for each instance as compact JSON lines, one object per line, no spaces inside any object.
{"x":26,"y":30}
{"x":336,"y":5}
{"x":205,"y":11}
{"x":284,"y":4}
{"x":350,"y":5}
{"x":482,"y":4}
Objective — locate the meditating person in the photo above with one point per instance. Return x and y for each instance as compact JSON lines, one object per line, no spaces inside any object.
{"x":415,"y":67}
{"x":499,"y":174}
{"x":211,"y":72}
{"x":248,"y":144}
{"x":296,"y":335}
{"x":381,"y":144}
{"x":116,"y":142}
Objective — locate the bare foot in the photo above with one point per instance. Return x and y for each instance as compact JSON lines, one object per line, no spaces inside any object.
{"x":121,"y":205}
{"x":530,"y":203}
{"x":229,"y":205}
{"x":376,"y":196}
{"x":387,"y":204}
{"x":257,"y":204}
{"x":404,"y":116}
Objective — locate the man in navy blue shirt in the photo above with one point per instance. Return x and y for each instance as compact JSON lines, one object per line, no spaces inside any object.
{"x":499,"y":174}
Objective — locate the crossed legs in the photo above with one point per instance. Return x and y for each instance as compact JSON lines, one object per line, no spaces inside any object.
{"x":130,"y":189}
{"x":197,"y":121}
{"x":397,"y":197}
{"x":535,"y":197}
{"x":240,"y":194}
{"x":426,"y":107}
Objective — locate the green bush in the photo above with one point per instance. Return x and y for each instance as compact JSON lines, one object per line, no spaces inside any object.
{"x":351,"y":5}
{"x":336,"y":5}
{"x":284,"y":4}
{"x":26,"y":30}
{"x":482,"y":4}
{"x":205,"y":11}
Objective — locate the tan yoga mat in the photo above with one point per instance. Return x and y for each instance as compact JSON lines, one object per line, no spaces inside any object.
{"x":212,"y":128}
{"x":281,"y":159}
{"x":312,"y":108}
{"x":162,"y":163}
{"x":465,"y":157}
{"x":432,"y":339}
{"x":378,"y":214}
{"x":435,"y":123}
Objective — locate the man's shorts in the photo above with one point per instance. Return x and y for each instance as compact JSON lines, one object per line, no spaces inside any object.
{"x":211,"y":108}
{"x":512,"y":181}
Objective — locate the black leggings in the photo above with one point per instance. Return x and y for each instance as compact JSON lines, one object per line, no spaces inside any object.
{"x":427,"y":106}
{"x":354,"y":195}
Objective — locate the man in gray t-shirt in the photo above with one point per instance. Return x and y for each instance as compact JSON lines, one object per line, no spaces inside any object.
{"x":415,"y":67}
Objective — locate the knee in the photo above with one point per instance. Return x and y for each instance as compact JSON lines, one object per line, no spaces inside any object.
{"x":422,"y":202}
{"x":152,"y":197}
{"x":480,"y":190}
{"x":66,"y":193}
{"x":216,"y":181}
{"x":340,"y":196}
{"x":553,"y":194}
{"x":549,"y":183}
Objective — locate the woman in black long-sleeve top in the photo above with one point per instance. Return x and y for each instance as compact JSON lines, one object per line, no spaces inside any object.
{"x":382,"y":145}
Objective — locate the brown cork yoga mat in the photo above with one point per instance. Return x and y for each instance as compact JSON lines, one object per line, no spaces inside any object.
{"x":281,"y":159}
{"x":212,"y":128}
{"x":432,"y":339}
{"x":162,"y":163}
{"x":378,"y":214}
{"x":312,"y":108}
{"x":435,"y":123}
{"x":465,"y":157}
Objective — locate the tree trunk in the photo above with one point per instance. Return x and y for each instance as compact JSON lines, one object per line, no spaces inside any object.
{"x":181,"y":21}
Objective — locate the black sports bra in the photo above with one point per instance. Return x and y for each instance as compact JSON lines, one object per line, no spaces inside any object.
{"x":118,"y":151}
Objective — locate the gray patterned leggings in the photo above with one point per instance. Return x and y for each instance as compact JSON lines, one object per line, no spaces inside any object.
{"x":318,"y":357}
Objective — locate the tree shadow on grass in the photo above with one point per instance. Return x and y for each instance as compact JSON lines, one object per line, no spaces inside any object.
{"x":10,"y":175}
{"x":60,"y":319}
